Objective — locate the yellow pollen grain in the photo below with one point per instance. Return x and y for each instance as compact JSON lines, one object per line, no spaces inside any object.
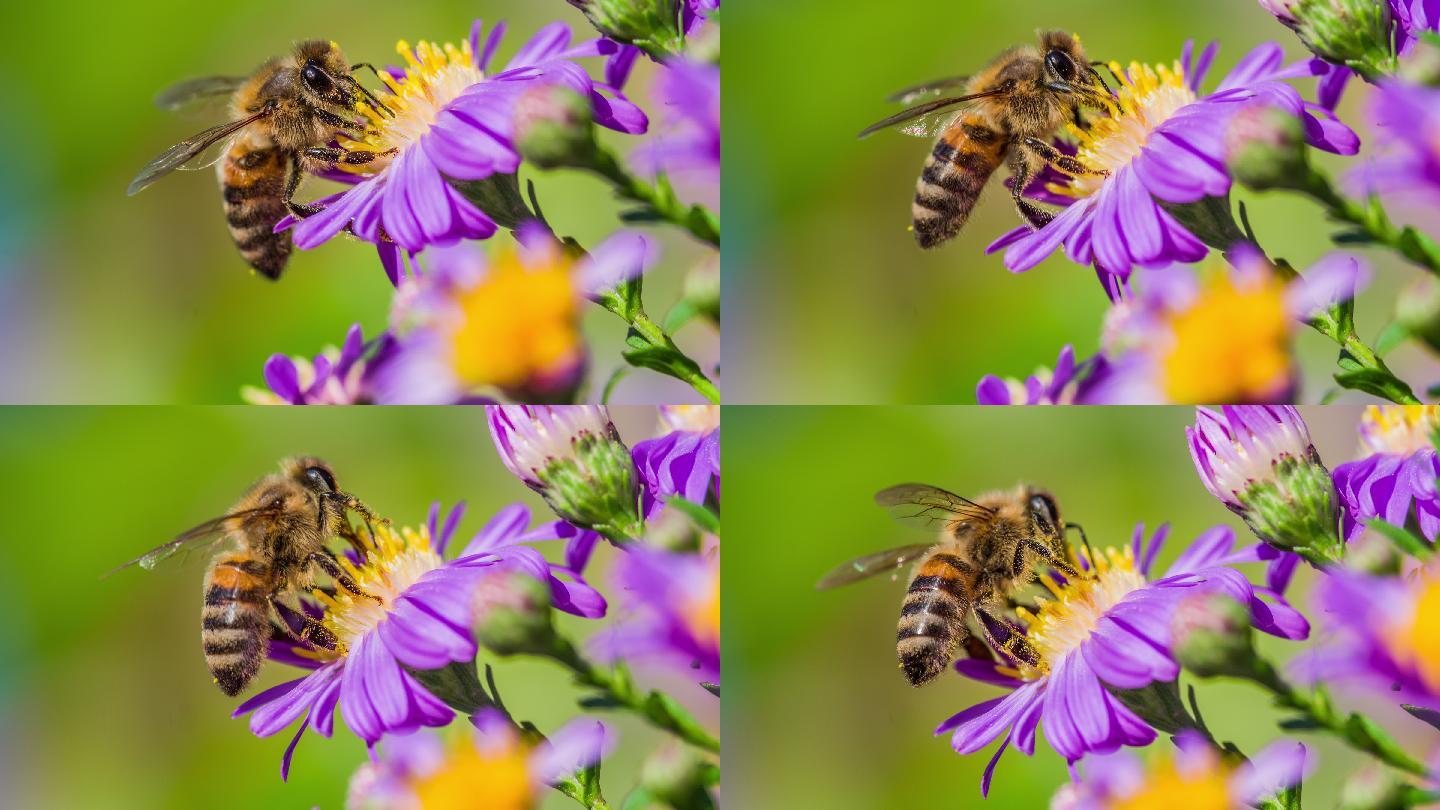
{"x":1416,"y":642}
{"x":1230,"y":345}
{"x":469,"y":778}
{"x":1168,"y":789}
{"x":517,"y":323}
{"x":1148,"y":96}
{"x":1059,"y":625}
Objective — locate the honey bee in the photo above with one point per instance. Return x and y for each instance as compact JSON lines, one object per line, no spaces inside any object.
{"x":280,"y":528}
{"x":1011,"y":110}
{"x":282,"y":120}
{"x":986,"y":553}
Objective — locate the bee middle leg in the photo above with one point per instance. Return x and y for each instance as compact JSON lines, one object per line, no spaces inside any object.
{"x":1021,"y":174}
{"x":313,"y":633}
{"x":1065,"y":163}
{"x":1015,"y":645}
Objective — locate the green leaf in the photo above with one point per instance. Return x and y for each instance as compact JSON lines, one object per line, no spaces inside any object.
{"x":679,"y":315}
{"x":639,"y":799}
{"x":1372,"y":381}
{"x":615,"y":377}
{"x":703,"y":518}
{"x":1390,"y":337}
{"x":1403,"y":540}
{"x":1356,"y":237}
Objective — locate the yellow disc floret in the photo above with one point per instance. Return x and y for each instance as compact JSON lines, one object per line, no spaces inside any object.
{"x":1399,"y":429}
{"x":1414,"y":640}
{"x":394,"y":561}
{"x":1060,"y":624}
{"x":497,"y":779}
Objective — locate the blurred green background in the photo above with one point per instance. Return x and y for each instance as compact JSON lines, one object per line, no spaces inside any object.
{"x":108,"y":299}
{"x":823,"y":279}
{"x":105,"y":701}
{"x":817,"y":713}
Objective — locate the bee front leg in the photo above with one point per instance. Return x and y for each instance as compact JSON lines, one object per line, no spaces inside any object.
{"x":1045,"y":554}
{"x":1060,"y":160}
{"x":331,"y":566}
{"x":353,"y":157}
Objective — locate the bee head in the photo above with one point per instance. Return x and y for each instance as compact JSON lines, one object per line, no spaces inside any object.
{"x":311,"y":473}
{"x":1064,"y":59}
{"x":323,"y":72}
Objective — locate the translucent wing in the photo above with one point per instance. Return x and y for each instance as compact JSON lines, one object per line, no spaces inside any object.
{"x":923,"y":505}
{"x":881,"y":562}
{"x":930,"y":108}
{"x":202,"y":536}
{"x":172,"y":158}
{"x":205,"y":87}
{"x":914,"y":93}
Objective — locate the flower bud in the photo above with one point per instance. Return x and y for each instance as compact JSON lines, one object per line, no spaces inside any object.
{"x":573,"y":456}
{"x":498,"y":195}
{"x":512,"y":613}
{"x":1282,"y":10}
{"x":1259,"y":462}
{"x":1265,"y":147}
{"x":1345,"y":31}
{"x":633,"y":21}
{"x":1418,"y":310}
{"x":675,"y":774}
{"x":1213,"y":635}
{"x":554,"y":127}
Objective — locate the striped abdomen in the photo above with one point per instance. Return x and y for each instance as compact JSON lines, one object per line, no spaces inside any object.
{"x":932,"y":620}
{"x":253,"y":176}
{"x":963,"y":159}
{"x":236,"y":624}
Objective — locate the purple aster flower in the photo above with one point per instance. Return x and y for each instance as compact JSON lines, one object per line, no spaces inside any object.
{"x":1384,"y":632}
{"x":342,"y":376}
{"x":495,"y":767}
{"x":1398,"y":474}
{"x":1111,"y":630}
{"x":1164,"y":145}
{"x":471,"y":325}
{"x":690,"y":143}
{"x":1405,"y":115}
{"x":573,"y":456}
{"x":452,"y":121}
{"x":1219,"y":336}
{"x":671,"y":609}
{"x":1069,"y":384}
{"x":1413,"y":18}
{"x":1119,"y":780}
{"x":1259,"y":462}
{"x":684,"y":461}
{"x":422,"y":622}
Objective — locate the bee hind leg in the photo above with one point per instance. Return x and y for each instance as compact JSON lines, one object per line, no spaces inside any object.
{"x":1021,"y":174}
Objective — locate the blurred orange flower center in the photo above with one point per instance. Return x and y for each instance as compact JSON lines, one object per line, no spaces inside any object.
{"x":1415,"y":641}
{"x":1168,"y":789}
{"x":469,"y":778}
{"x":1230,"y":345}
{"x":517,"y":323}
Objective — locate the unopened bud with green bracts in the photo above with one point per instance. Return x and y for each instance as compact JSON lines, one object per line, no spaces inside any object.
{"x":554,"y":127}
{"x":1213,"y":635}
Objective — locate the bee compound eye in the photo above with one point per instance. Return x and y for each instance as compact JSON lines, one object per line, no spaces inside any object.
{"x":1060,"y":64}
{"x":316,"y":79}
{"x":1042,"y":507}
{"x":321,"y":478}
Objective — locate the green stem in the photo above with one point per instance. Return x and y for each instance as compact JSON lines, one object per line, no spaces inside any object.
{"x":1355,"y":730}
{"x":1373,"y":221}
{"x":571,"y":787}
{"x":659,"y":199}
{"x":616,"y":684}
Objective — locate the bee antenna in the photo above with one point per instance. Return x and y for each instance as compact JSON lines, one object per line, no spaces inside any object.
{"x":1089,"y":552}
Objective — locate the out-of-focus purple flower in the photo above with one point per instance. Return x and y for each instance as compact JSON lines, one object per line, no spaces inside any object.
{"x":1259,"y":462}
{"x":1220,"y":337}
{"x":1119,"y":780}
{"x":452,"y":121}
{"x":671,"y":605}
{"x":690,"y":143}
{"x":684,"y":461}
{"x":1412,"y":19}
{"x":1109,"y":630}
{"x":1165,"y":145}
{"x":343,"y":376}
{"x":495,"y":768}
{"x":422,"y":622}
{"x":1385,"y":634}
{"x":1399,"y":473}
{"x":1069,"y":384}
{"x":1405,"y":115}
{"x":469,"y":325}
{"x":573,"y":456}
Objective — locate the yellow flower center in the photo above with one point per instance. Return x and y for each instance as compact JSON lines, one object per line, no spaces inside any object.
{"x":1060,"y":625}
{"x":1148,"y":97}
{"x":1415,"y":641}
{"x":1168,"y":789}
{"x":435,"y":75}
{"x":694,"y":418}
{"x":470,"y":778}
{"x":702,"y":610}
{"x":1231,"y":345}
{"x":394,"y":561}
{"x":1399,"y":429}
{"x":517,"y":323}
